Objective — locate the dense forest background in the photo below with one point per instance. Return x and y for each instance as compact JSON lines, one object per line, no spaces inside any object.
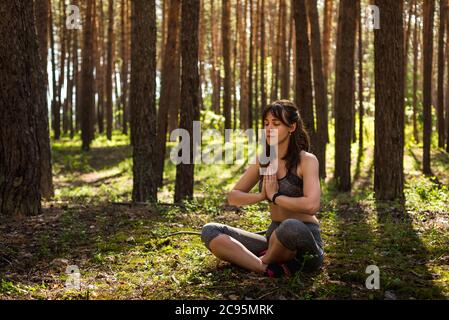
{"x":91,"y":90}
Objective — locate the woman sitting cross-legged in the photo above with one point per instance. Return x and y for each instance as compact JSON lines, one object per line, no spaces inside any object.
{"x":293,"y":240}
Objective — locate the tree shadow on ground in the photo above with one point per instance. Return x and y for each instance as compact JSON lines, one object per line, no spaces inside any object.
{"x":97,"y":159}
{"x":350,"y":248}
{"x":403,"y":266}
{"x":229,"y":281}
{"x":36,"y":248}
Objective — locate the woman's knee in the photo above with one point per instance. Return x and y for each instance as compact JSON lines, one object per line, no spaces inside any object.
{"x":289,"y":231}
{"x":210,"y":231}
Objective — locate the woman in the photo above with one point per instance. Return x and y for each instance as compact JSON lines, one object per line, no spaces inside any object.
{"x":293,"y":240}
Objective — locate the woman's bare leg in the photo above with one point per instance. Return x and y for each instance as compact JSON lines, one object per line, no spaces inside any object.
{"x":231,"y":250}
{"x":277,"y":252}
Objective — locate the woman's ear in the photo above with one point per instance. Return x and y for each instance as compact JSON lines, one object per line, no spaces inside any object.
{"x":294,"y":127}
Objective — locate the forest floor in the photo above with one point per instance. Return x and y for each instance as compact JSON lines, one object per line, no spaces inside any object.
{"x":120,"y":253}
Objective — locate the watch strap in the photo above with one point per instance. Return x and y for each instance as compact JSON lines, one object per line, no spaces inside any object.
{"x":277,"y":194}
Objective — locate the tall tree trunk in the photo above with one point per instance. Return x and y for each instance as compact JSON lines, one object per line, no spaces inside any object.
{"x":124,"y":77}
{"x":63,"y":41}
{"x":327,"y":35}
{"x":344,"y":88}
{"x":87,"y":84}
{"x":263,"y":90}
{"x":304,"y":99}
{"x":447,"y":88}
{"x":215,"y":70}
{"x":244,"y":105}
{"x":109,"y":70}
{"x":428,"y":14}
{"x":22,"y":88}
{"x":234,"y":47}
{"x":251,"y":64}
{"x":101,"y":66}
{"x":389,"y":111}
{"x":360,"y":90}
{"x":94,"y":53}
{"x":226,"y":34}
{"x":285,"y":71}
{"x":169,"y":84}
{"x":201,"y":53}
{"x":72,"y":84}
{"x":77,"y":76}
{"x":319,"y":85}
{"x":415,"y":74}
{"x":54,"y":102}
{"x":440,"y":101}
{"x":257,"y":41}
{"x":174,"y":106}
{"x":276,"y":30}
{"x":143,"y":99}
{"x":43,"y":134}
{"x":189,"y":93}
{"x":65,"y":118}
{"x":407,"y":44}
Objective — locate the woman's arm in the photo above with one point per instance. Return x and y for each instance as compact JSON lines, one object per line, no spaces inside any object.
{"x":239,"y":195}
{"x":310,"y":202}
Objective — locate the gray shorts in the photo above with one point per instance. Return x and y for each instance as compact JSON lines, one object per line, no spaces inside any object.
{"x":304,"y":237}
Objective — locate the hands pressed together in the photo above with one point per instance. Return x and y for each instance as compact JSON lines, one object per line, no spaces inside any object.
{"x":269,"y":186}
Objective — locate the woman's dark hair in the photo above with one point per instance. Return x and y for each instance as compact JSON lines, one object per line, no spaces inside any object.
{"x":287,"y":112}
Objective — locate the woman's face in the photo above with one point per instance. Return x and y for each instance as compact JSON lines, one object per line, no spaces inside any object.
{"x":275,"y":127}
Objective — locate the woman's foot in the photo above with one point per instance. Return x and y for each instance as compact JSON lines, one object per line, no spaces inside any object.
{"x":278,"y":270}
{"x":262,"y":253}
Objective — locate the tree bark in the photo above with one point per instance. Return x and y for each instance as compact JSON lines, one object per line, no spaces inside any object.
{"x":428,"y":14}
{"x":87,"y":84}
{"x":251,"y":64}
{"x":226,"y":34}
{"x":389,"y":105}
{"x":54,"y":101}
{"x":63,"y":43}
{"x":244,"y":105}
{"x":327,"y":35}
{"x":319,"y":85}
{"x":109,"y":70}
{"x":447,"y":88}
{"x":143,"y":99}
{"x":285,"y":70}
{"x":440,"y":98}
{"x":344,"y":88}
{"x":415,"y":75}
{"x":215,"y":70}
{"x":263,"y":92}
{"x":42,"y":21}
{"x":360,"y":78}
{"x":124,"y":76}
{"x":304,"y":99}
{"x":169,"y":84}
{"x":189,"y":93}
{"x":22,"y":88}
{"x":407,"y":43}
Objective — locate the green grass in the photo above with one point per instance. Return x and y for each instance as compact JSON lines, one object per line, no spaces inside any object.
{"x":121,"y":255}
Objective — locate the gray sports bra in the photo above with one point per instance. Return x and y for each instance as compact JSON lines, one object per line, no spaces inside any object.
{"x":290,"y":185}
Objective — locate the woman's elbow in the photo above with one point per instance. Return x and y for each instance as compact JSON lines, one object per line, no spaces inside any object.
{"x":313,"y":207}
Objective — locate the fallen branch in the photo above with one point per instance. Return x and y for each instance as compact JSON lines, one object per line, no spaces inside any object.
{"x":129,"y":204}
{"x":197,"y":233}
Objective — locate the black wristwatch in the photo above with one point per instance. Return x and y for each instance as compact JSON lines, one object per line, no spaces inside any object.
{"x":277,"y":194}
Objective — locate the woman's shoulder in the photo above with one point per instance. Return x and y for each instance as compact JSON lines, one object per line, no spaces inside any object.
{"x":307,"y":161}
{"x":308,"y":157}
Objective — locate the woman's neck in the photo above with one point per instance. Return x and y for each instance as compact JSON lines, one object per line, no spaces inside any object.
{"x":283,"y":148}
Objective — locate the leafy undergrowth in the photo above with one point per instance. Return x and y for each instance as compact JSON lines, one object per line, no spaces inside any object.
{"x":121,"y":251}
